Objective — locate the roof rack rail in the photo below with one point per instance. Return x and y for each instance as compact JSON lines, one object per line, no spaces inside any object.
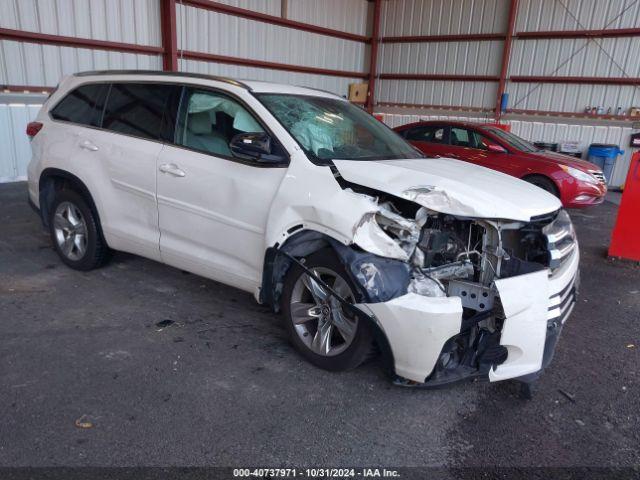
{"x":163,"y":73}
{"x":322,"y":90}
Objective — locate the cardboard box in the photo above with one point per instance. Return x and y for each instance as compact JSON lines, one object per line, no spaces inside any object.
{"x":358,"y":92}
{"x":634,"y":112}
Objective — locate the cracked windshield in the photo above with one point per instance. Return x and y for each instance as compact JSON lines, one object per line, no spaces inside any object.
{"x":329,"y":129}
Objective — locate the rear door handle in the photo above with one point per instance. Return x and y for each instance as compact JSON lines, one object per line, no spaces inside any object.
{"x":87,"y":145}
{"x":171,"y":169}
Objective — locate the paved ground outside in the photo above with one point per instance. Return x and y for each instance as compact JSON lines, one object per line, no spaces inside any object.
{"x":220,"y":385}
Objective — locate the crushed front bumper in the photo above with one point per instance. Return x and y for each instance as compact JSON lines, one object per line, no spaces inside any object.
{"x":536,"y":305}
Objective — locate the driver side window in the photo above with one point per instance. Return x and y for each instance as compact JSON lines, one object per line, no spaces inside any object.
{"x":209,"y":120}
{"x":462,"y":137}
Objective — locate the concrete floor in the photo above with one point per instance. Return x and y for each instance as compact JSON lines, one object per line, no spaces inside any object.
{"x":614,"y":197}
{"x":221,"y":385}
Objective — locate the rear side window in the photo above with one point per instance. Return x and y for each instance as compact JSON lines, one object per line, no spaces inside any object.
{"x":137,"y":109}
{"x":83,"y":105}
{"x":431,"y":133}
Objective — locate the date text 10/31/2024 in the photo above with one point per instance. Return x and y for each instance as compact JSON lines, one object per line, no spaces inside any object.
{"x":316,"y":472}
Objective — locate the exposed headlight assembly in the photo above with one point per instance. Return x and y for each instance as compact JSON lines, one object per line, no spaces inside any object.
{"x":387,"y":234}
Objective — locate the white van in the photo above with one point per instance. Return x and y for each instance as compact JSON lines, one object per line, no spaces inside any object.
{"x":451,"y":270}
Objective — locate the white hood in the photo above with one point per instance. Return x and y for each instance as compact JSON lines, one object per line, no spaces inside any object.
{"x":452,"y":186}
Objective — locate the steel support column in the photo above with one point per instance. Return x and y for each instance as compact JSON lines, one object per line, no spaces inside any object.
{"x":506,"y":54}
{"x":169,"y":35}
{"x":373,"y":61}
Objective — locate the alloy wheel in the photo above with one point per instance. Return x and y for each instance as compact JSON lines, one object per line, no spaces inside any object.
{"x":70,"y":231}
{"x":318,"y":317}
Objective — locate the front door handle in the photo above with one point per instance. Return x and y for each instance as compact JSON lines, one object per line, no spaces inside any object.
{"x":87,"y":145}
{"x":171,"y":169}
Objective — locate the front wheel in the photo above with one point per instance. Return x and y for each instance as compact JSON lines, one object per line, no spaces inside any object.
{"x":318,"y":325}
{"x":544,"y":183}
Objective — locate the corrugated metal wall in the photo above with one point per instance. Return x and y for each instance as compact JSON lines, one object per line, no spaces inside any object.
{"x":430,"y":92}
{"x":138,"y":22}
{"x":14,"y":144}
{"x":542,"y":15}
{"x":323,"y":82}
{"x":548,"y":132}
{"x":218,"y":33}
{"x":459,"y":58}
{"x":263,"y":6}
{"x":43,"y":65}
{"x":128,"y":21}
{"x":346,"y":15}
{"x":222,"y":34}
{"x":597,"y":57}
{"x":441,"y":17}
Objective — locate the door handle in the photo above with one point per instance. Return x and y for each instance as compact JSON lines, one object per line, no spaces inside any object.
{"x":87,"y":145}
{"x":171,"y":169}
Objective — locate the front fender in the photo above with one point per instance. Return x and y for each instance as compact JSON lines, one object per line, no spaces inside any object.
{"x":310,"y":198}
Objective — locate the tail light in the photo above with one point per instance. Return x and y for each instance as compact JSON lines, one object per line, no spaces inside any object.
{"x":33,"y":128}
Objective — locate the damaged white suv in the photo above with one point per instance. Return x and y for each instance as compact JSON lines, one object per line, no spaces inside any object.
{"x":451,"y":270}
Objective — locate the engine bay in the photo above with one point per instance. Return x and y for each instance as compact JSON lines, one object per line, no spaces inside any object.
{"x":453,"y":256}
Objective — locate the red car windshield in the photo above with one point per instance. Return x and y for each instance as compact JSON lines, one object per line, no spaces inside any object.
{"x":512,"y":140}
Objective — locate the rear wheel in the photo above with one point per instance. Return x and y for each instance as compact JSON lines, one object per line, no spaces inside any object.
{"x":320,"y":328}
{"x":544,"y":183}
{"x":75,"y":232}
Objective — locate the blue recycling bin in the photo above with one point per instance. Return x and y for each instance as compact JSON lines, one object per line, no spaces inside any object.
{"x":605,"y":157}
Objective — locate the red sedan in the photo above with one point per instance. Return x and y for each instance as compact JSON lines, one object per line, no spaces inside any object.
{"x":576,"y":182}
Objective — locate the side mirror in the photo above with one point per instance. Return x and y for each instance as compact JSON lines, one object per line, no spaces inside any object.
{"x":492,"y":147}
{"x":254,"y":146}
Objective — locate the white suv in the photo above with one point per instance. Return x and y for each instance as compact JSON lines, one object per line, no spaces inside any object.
{"x":450,"y":270}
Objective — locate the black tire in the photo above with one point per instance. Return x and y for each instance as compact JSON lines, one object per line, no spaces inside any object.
{"x":97,"y":252}
{"x":544,"y":183}
{"x":362,"y":346}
